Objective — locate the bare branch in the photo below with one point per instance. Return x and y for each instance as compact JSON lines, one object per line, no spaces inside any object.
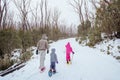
{"x":55,"y":17}
{"x":107,"y":2}
{"x":3,"y":12}
{"x":94,"y":3}
{"x":77,"y":6}
{"x":41,"y":10}
{"x":23,"y":7}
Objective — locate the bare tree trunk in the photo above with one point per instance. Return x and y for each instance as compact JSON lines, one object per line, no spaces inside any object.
{"x":77,"y":6}
{"x":54,"y":24}
{"x":86,"y":10}
{"x":5,"y":16}
{"x":41,"y":11}
{"x":107,"y":2}
{"x":10,"y":21}
{"x":46,"y":13}
{"x":94,"y":3}
{"x":35,"y":17}
{"x":3,"y":13}
{"x":55,"y":17}
{"x":23,"y":7}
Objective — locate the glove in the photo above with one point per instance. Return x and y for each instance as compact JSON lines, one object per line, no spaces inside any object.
{"x":37,"y":52}
{"x":73,"y":52}
{"x":47,"y":51}
{"x":57,"y":62}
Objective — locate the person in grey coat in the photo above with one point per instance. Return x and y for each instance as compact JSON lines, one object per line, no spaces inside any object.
{"x":53,"y":60}
{"x":42,"y":47}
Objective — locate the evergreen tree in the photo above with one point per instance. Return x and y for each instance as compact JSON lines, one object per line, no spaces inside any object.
{"x":9,"y":40}
{"x":108,"y":17}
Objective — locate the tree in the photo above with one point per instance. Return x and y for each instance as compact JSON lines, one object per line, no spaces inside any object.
{"x":77,"y":6}
{"x":84,"y":28}
{"x":3,"y":13}
{"x":9,"y":40}
{"x":81,"y":8}
{"x":108,"y":17}
{"x":55,"y":31}
{"x":26,"y":39}
{"x":23,"y":7}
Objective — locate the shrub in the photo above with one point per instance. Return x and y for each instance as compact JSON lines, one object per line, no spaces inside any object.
{"x":9,"y":40}
{"x":118,"y":57}
{"x":118,"y":47}
{"x":26,"y":39}
{"x":25,"y":56}
{"x":80,"y":41}
{"x":94,"y":37}
{"x":108,"y":52}
{"x":5,"y":63}
{"x":77,"y":38}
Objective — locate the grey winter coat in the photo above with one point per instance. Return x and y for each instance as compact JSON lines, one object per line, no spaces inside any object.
{"x":42,"y":44}
{"x":53,"y":56}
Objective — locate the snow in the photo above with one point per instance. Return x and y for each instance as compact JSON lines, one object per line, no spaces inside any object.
{"x":87,"y":64}
{"x":111,"y":46}
{"x":16,"y":54}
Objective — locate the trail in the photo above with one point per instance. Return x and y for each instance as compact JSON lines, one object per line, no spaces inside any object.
{"x":87,"y":64}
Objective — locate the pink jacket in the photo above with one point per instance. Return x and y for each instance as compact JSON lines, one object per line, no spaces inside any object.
{"x":68,"y":48}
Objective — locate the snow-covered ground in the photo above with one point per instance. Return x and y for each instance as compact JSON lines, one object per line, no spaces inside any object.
{"x":111,"y":46}
{"x":87,"y":64}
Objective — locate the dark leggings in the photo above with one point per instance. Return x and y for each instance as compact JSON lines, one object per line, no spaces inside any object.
{"x":52,"y":66}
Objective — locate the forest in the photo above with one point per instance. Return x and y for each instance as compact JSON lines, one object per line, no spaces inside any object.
{"x":27,"y":31}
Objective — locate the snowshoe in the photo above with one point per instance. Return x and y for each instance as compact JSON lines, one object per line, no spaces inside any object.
{"x":49,"y":73}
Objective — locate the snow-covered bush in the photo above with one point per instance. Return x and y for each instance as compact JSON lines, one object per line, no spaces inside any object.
{"x":31,"y":48}
{"x":77,"y":38}
{"x":50,"y":41}
{"x":94,"y":38}
{"x":5,"y":63}
{"x":26,"y":56}
{"x":111,"y":47}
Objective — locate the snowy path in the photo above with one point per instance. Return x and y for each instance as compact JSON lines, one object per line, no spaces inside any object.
{"x":87,"y":64}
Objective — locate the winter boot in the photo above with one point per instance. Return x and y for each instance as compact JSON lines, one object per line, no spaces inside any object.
{"x":54,"y":71}
{"x":42,"y":69}
{"x":70,"y":62}
{"x":67,"y":62}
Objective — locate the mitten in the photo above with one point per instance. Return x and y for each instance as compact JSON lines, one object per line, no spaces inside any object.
{"x":73,"y":52}
{"x":37,"y":52}
{"x":47,"y":51}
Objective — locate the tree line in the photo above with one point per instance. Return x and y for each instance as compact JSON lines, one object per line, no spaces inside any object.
{"x":31,"y":23}
{"x":106,"y":20}
{"x":28,"y":29}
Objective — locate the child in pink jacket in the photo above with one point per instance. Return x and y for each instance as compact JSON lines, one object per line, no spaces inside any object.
{"x":68,"y":51}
